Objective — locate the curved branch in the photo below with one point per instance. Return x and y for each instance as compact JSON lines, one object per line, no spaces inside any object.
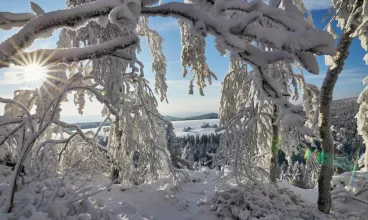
{"x":228,"y":32}
{"x":52,"y":57}
{"x":78,"y":131}
{"x":10,"y":20}
{"x":66,"y":144}
{"x":20,"y":105}
{"x":48,"y":22}
{"x":101,"y":125}
{"x":287,"y":19}
{"x":17,"y":128}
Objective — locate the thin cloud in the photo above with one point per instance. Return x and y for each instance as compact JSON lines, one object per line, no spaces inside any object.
{"x":168,"y":62}
{"x":348,"y":73}
{"x":317,"y":4}
{"x":173,"y":62}
{"x":11,"y":78}
{"x":189,"y":105}
{"x":314,"y":4}
{"x":2,"y":105}
{"x":164,"y":25}
{"x":180,"y":84}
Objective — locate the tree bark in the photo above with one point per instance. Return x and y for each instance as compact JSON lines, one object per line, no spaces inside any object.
{"x":366,"y":159}
{"x":274,"y":147}
{"x":327,"y":168}
{"x":118,"y":134}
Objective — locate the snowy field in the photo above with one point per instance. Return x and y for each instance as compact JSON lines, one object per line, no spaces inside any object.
{"x":180,"y":125}
{"x":195,"y":125}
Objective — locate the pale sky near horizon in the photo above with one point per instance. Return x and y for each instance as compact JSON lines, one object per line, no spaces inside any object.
{"x":180,"y":103}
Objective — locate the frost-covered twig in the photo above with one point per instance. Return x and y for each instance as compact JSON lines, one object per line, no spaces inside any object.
{"x":348,"y":196}
{"x":76,"y":164}
{"x":8,"y":135}
{"x":101,"y":125}
{"x":75,"y":199}
{"x":99,"y":97}
{"x":28,"y":143}
{"x":78,"y":132}
{"x":25,"y":110}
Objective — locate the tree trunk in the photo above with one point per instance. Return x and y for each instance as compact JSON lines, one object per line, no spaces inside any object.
{"x":366,"y":159}
{"x":118,"y":134}
{"x":274,"y":147}
{"x":325,"y":176}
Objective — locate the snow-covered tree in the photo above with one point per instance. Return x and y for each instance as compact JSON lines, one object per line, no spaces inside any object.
{"x":174,"y":147}
{"x":351,"y":18}
{"x":271,"y":130}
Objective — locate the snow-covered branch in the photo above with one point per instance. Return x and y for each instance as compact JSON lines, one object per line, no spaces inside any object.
{"x":52,"y":57}
{"x":228,"y":32}
{"x":290,"y":21}
{"x":46,"y":23}
{"x":18,"y":104}
{"x":10,"y":20}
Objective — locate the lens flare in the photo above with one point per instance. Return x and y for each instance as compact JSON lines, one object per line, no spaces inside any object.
{"x":34,"y":73}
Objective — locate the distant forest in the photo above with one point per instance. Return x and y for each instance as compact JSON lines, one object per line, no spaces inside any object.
{"x":348,"y":144}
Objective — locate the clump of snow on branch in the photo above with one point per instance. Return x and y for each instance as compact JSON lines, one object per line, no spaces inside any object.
{"x":260,"y":202}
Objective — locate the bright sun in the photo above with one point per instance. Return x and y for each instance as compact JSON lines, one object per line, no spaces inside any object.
{"x":34,"y":73}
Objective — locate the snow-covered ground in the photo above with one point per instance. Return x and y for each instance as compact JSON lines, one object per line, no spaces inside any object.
{"x":158,"y":200}
{"x":161,"y":200}
{"x":196,"y":127}
{"x":308,"y":195}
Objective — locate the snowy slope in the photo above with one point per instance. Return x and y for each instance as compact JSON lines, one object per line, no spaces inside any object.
{"x":308,"y":195}
{"x":159,"y":200}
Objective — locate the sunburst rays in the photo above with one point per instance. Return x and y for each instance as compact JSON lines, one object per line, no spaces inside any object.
{"x":32,"y":68}
{"x":34,"y":73}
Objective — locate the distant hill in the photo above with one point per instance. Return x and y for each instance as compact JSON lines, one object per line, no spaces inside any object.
{"x":171,"y":118}
{"x":205,"y":116}
{"x":89,"y":125}
{"x":200,"y":117}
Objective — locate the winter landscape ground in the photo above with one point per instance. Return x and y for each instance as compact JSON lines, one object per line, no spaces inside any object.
{"x":287,"y":140}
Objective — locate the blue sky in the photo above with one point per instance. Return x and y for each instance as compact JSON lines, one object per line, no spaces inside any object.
{"x":180,"y":103}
